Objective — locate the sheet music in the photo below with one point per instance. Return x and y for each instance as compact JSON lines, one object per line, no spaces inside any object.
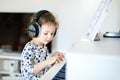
{"x":98,"y":19}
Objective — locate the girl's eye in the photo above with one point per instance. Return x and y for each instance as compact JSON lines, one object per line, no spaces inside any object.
{"x":45,"y":33}
{"x":52,"y":34}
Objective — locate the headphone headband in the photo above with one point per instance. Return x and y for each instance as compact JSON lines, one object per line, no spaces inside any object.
{"x":38,"y":14}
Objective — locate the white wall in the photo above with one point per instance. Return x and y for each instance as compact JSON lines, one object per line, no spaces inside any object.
{"x":74,"y":17}
{"x":112,"y":21}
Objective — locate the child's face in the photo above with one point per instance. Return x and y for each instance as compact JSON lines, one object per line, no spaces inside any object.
{"x":47,"y":33}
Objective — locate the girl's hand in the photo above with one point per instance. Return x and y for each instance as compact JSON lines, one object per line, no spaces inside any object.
{"x":60,"y":57}
{"x":56,"y":58}
{"x":51,"y":60}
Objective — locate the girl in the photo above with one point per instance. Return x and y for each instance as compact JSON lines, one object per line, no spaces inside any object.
{"x":35,"y":57}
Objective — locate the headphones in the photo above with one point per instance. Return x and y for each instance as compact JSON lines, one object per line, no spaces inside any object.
{"x":34,"y":27}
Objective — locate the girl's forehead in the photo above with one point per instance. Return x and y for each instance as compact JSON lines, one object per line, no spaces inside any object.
{"x":48,"y":27}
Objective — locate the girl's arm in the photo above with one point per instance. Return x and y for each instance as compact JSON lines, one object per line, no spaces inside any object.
{"x":56,"y":58}
{"x":40,"y":66}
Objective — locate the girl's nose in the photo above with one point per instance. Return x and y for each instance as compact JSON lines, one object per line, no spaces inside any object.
{"x":49,"y":36}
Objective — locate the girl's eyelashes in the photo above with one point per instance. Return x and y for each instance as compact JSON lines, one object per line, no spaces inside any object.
{"x":45,"y":33}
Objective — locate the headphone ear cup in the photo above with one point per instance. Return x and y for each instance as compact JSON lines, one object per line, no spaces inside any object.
{"x":33,"y":29}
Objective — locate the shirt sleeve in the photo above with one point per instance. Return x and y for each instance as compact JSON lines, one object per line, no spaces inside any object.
{"x":27,"y":62}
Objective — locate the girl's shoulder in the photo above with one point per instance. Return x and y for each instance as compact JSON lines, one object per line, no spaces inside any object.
{"x":33,"y":47}
{"x":30,"y":45}
{"x":29,"y":50}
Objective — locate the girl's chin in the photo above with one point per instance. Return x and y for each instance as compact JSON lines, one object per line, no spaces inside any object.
{"x":46,"y":43}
